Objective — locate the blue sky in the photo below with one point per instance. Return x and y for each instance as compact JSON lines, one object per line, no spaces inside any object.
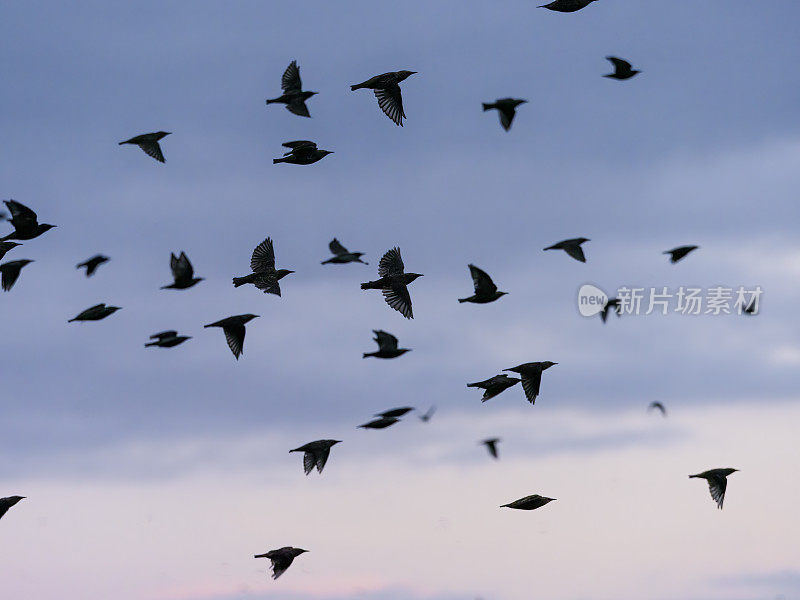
{"x":701,"y":148}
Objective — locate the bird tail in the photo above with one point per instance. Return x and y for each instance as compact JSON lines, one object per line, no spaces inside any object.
{"x":259,"y":556}
{"x":358,"y":86}
{"x":366,"y":354}
{"x":122,"y":143}
{"x":487,"y":106}
{"x":272,"y":101}
{"x":278,"y":160}
{"x":472,"y":385}
{"x":237,"y":281}
{"x":151,"y":344}
{"x":71,"y":320}
{"x":462,"y":300}
{"x":370,"y":285}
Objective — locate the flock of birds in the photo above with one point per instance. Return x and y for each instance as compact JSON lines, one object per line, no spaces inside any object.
{"x":393,"y":280}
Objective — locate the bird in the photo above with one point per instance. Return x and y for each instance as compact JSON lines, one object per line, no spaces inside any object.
{"x":506,"y":108}
{"x":491,"y":446}
{"x":425,"y":417}
{"x":148,"y":142}
{"x":528,"y":502}
{"x":678,"y":253}
{"x":571,"y":247}
{"x":182,"y":273}
{"x":5,"y":247}
{"x":393,"y":282}
{"x":167,"y":339}
{"x":612,"y":304}
{"x":567,"y":6}
{"x":95,"y":313}
{"x":387,"y":91}
{"x":234,"y":330}
{"x":747,"y":309}
{"x":717,"y":483}
{"x":485,"y":289}
{"x":657,"y":406}
{"x":8,"y":502}
{"x":531,"y":377}
{"x":25,"y":222}
{"x":293,"y":95}
{"x":622,"y":69}
{"x":395,"y":412}
{"x":494,"y":385}
{"x":315,"y":454}
{"x":9,"y":272}
{"x":387,"y":346}
{"x":92,"y":264}
{"x":281,"y":558}
{"x":301,"y":152}
{"x":342,"y":255}
{"x":264,"y":276}
{"x":381,"y":423}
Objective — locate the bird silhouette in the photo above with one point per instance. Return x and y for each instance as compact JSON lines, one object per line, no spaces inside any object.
{"x":395,"y":412}
{"x":387,"y":346}
{"x":25,"y":222}
{"x":427,"y":415}
{"x":315,"y":454}
{"x":8,"y":502}
{"x":234,"y":330}
{"x":571,"y":247}
{"x":567,"y":6}
{"x":182,"y":273}
{"x":167,"y":339}
{"x":494,"y":385}
{"x":531,"y":377}
{"x":678,"y":253}
{"x":659,"y":407}
{"x":393,"y":282}
{"x":293,"y":95}
{"x":148,"y":142}
{"x":281,"y":558}
{"x":264,"y":276}
{"x":5,"y":247}
{"x":491,"y":446}
{"x":387,"y":91}
{"x":506,"y":108}
{"x":342,"y":255}
{"x":485,"y":289}
{"x":717,"y":483}
{"x":9,"y":272}
{"x":611,"y":305}
{"x":622,"y":69}
{"x":380,"y":423}
{"x":528,"y":502}
{"x":92,"y":264}
{"x":301,"y":152}
{"x":95,"y":313}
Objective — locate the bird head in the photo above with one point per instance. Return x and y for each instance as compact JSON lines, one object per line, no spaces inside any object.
{"x":25,"y":261}
{"x":325,"y":152}
{"x":45,"y":227}
{"x":519,"y":101}
{"x":502,"y":294}
{"x":298,"y":551}
{"x":412,"y":276}
{"x":581,"y":240}
{"x":401,"y":75}
{"x":10,"y":245}
{"x":113,"y":308}
{"x":547,"y":364}
{"x":281,"y":273}
{"x":14,"y":499}
{"x":729,"y":471}
{"x":162,"y":134}
{"x":248,"y":317}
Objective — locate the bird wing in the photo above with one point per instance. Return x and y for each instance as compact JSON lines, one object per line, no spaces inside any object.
{"x":492,"y":446}
{"x":391,"y":263}
{"x":234,"y":335}
{"x":576,"y":252}
{"x":298,"y":107}
{"x":10,"y":274}
{"x":280,"y":562}
{"x":619,"y":64}
{"x":717,"y":485}
{"x":386,"y":341}
{"x":309,"y":460}
{"x":531,"y":383}
{"x":321,"y":458}
{"x":263,"y":259}
{"x":482,"y":282}
{"x":391,"y":102}
{"x":399,"y":299}
{"x":152,"y":149}
{"x":290,"y":81}
{"x":427,"y":416}
{"x":298,"y":144}
{"x":21,"y":215}
{"x":506,"y":116}
{"x":336,"y":248}
{"x":163,"y":334}
{"x":269,"y":285}
{"x":181,"y":267}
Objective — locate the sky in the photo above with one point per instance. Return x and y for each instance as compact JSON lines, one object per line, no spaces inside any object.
{"x":157,"y":474}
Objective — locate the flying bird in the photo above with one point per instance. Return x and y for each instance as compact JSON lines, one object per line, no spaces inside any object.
{"x":528,"y":502}
{"x":167,"y":339}
{"x":381,"y":423}
{"x":148,"y":142}
{"x":25,"y":222}
{"x":506,"y":108}
{"x":182,"y":273}
{"x":315,"y":454}
{"x":9,"y":272}
{"x":395,"y":412}
{"x":571,"y":247}
{"x":494,"y":385}
{"x":92,"y":264}
{"x":387,"y":346}
{"x":427,"y":415}
{"x":233,"y":328}
{"x":485,"y":289}
{"x":678,"y":253}
{"x":659,"y":407}
{"x":393,"y":282}
{"x":611,"y":305}
{"x":264,"y":276}
{"x":622,"y":69}
{"x":751,"y":308}
{"x":8,"y":502}
{"x":387,"y":91}
{"x":567,"y":6}
{"x":531,"y":377}
{"x":95,"y":313}
{"x":491,"y":446}
{"x":717,"y":483}
{"x":301,"y":152}
{"x":281,"y":559}
{"x":342,"y":255}
{"x":293,"y":95}
{"x":6,"y":247}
